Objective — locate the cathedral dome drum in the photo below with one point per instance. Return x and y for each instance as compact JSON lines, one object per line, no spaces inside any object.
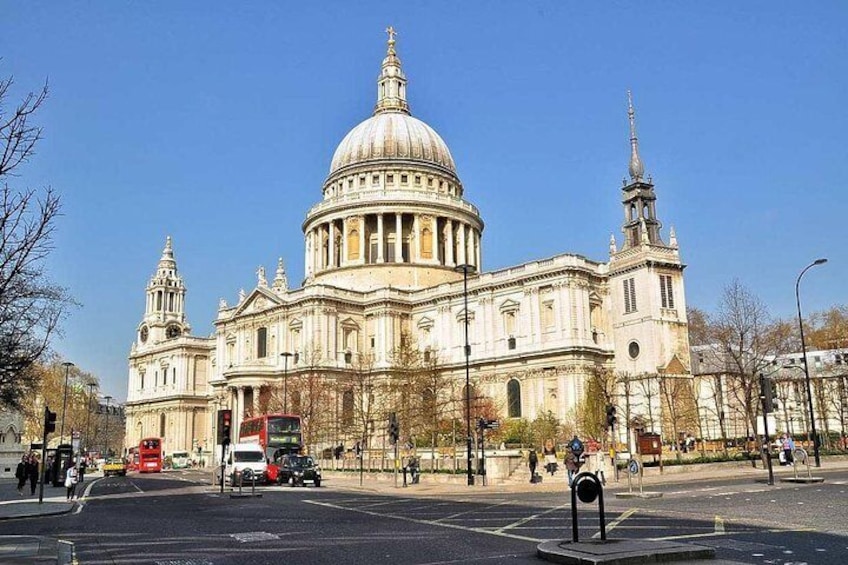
{"x":393,"y":212}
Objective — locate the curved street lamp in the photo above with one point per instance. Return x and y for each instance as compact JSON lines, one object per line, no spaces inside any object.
{"x":465,"y":269}
{"x":806,"y":366}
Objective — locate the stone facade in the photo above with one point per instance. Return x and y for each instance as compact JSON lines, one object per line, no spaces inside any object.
{"x":385,"y":250}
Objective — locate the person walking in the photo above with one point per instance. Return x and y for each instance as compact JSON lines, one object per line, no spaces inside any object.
{"x":21,"y":473}
{"x":533,"y":460}
{"x":549,"y":451}
{"x":602,"y":467}
{"x":788,"y":447}
{"x":70,"y":480}
{"x":32,"y":472}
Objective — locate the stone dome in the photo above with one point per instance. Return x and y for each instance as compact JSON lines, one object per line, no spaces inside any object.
{"x":392,"y":135}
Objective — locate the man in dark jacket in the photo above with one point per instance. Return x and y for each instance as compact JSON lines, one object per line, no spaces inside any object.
{"x":21,"y":474}
{"x":32,"y":472}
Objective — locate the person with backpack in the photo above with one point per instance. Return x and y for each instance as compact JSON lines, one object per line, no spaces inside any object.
{"x":533,"y":460}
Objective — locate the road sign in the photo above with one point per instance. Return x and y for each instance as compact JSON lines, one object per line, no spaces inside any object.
{"x":633,"y":467}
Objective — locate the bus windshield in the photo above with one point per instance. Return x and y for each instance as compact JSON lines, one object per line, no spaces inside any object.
{"x":249,"y":457}
{"x":283,"y":424}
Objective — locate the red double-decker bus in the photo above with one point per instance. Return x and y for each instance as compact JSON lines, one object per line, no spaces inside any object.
{"x":278,"y":434}
{"x":150,"y":455}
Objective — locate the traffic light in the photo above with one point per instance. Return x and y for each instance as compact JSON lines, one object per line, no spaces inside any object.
{"x":770,"y":394}
{"x":611,"y":419}
{"x":394,"y":428}
{"x":49,"y":421}
{"x":225,"y":421}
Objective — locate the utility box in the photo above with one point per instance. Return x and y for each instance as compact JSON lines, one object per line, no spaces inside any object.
{"x":650,"y":444}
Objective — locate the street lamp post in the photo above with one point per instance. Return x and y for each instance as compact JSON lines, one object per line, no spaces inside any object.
{"x":806,"y":366}
{"x":88,"y":414}
{"x":68,"y":366}
{"x":465,"y":269}
{"x":285,"y":355}
{"x":106,"y":435}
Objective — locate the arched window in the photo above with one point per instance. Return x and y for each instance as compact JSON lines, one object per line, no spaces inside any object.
{"x":347,"y":408}
{"x":429,"y":402}
{"x":513,"y":396}
{"x":161,"y":425}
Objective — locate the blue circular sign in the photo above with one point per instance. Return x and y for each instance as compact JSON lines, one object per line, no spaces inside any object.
{"x":633,"y":467}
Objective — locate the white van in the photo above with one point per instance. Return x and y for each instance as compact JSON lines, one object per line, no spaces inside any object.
{"x":244,"y":456}
{"x":179,"y":460}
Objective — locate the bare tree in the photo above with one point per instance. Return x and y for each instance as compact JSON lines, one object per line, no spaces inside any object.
{"x":31,"y":307}
{"x":310,"y":394}
{"x":678,"y":402}
{"x":744,"y":339}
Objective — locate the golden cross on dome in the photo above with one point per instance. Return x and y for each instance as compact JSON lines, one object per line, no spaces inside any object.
{"x":391,"y":31}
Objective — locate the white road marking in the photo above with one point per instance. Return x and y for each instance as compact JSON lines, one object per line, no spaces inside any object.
{"x":426,"y":522}
{"x":464,"y":512}
{"x":719,"y":525}
{"x":612,"y":525}
{"x":528,"y":518}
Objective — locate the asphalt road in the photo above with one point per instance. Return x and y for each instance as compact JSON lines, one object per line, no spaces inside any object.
{"x":173,"y":519}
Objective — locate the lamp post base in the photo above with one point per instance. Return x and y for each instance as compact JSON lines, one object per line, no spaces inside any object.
{"x":471,"y":481}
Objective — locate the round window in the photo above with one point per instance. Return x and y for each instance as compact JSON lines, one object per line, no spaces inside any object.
{"x":633,"y":350}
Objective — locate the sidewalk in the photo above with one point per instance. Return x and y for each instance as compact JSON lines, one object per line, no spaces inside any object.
{"x":434,"y":484}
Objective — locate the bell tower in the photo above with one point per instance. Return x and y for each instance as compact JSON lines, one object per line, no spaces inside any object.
{"x":646,"y":280}
{"x":164,"y":312}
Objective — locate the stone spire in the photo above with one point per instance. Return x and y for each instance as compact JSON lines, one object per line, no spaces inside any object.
{"x":391,"y":86}
{"x":281,"y":282}
{"x":167,"y":263}
{"x":637,"y":170}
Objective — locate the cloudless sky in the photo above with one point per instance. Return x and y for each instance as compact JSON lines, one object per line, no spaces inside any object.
{"x":215,"y":123}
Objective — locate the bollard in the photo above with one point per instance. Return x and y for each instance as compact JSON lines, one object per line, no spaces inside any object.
{"x":587,"y":487}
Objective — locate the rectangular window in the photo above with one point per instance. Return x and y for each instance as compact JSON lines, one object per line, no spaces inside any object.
{"x":629,"y":295}
{"x":362,"y":180}
{"x":404,"y":179}
{"x":548,"y":314}
{"x":261,"y":343}
{"x":417,"y":179}
{"x":666,"y":291}
{"x":174,"y":377}
{"x":390,"y":179}
{"x":375,"y":179}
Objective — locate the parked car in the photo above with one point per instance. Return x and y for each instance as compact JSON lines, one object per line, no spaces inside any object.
{"x":115,"y":467}
{"x":298,"y":470}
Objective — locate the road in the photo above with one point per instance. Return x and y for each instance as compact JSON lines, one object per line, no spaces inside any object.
{"x":175,"y":518}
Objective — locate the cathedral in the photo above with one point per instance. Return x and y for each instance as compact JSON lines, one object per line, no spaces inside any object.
{"x":393,"y":260}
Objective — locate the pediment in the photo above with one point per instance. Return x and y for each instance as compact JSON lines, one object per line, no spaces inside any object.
{"x":259,"y":300}
{"x":509,"y":305}
{"x":349,"y":323}
{"x":425,"y":322}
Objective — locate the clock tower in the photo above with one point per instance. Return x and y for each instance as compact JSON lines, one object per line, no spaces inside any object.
{"x":164,"y":312}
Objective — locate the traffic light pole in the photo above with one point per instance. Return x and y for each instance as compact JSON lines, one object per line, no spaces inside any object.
{"x":43,"y":469}
{"x":766,"y":401}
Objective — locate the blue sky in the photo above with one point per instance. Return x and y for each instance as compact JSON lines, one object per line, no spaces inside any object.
{"x":215,"y":122}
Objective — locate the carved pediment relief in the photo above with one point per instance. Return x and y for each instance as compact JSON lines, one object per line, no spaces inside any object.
{"x":509,"y":305}
{"x":257,"y":301}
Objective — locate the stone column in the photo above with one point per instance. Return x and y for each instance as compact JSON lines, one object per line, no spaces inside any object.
{"x":398,"y":236}
{"x":416,"y":235}
{"x":362,"y":240}
{"x":463,"y":246}
{"x":381,"y":239}
{"x":255,"y":400}
{"x":450,"y":261}
{"x":344,"y":242}
{"x":436,"y":240}
{"x":331,"y":246}
{"x":479,"y":251}
{"x":239,"y":411}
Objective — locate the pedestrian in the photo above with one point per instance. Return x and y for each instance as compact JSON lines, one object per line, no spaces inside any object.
{"x":602,"y":466}
{"x":533,"y":460}
{"x":33,"y":473}
{"x":21,"y":473}
{"x":70,"y":480}
{"x":788,"y":447}
{"x":82,"y":468}
{"x":549,"y":451}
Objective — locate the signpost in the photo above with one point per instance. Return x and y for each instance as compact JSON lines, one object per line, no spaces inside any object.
{"x":483,"y":424}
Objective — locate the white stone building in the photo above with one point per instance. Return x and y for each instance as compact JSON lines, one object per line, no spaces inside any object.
{"x":382,"y":247}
